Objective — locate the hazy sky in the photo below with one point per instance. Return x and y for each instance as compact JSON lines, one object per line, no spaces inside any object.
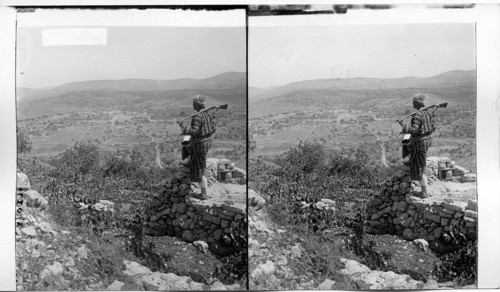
{"x":281,"y":55}
{"x":133,"y":52}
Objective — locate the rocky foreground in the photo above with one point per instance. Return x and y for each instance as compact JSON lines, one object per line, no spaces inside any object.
{"x":275,"y":253}
{"x":50,"y":257}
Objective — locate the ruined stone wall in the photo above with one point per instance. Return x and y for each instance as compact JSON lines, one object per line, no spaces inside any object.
{"x":396,"y":210}
{"x":175,"y":212}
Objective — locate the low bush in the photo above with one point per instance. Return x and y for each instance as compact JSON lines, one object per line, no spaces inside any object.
{"x":459,"y":266}
{"x":233,"y":268}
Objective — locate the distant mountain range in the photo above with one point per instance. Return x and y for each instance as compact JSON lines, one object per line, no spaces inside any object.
{"x":221,"y":81}
{"x":446,"y":79}
{"x":142,"y":95}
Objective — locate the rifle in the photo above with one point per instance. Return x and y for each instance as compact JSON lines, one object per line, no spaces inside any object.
{"x":443,"y":105}
{"x":224,"y":106}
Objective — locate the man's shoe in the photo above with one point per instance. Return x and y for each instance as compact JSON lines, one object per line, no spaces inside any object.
{"x":200,"y":196}
{"x":421,"y":194}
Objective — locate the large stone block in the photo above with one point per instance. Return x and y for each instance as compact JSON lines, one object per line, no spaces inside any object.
{"x":433,"y":217}
{"x":408,"y":234}
{"x":176,"y":199}
{"x":383,"y":211}
{"x":217,"y":234}
{"x":470,"y":224}
{"x":211,"y":218}
{"x":456,"y":206}
{"x":225,"y":223}
{"x":35,"y":200}
{"x":183,"y":186}
{"x":445,"y":221}
{"x":469,"y":177}
{"x":405,"y":220}
{"x":402,"y":206}
{"x":182,"y":208}
{"x":472,"y":205}
{"x":445,"y":215}
{"x":470,"y":214}
{"x":470,"y":219}
{"x":235,"y":209}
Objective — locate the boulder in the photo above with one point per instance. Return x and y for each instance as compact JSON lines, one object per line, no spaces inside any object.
{"x":326,"y":285}
{"x":469,"y":177}
{"x":408,"y":234}
{"x":35,"y":200}
{"x":421,"y":244}
{"x":265,"y":269}
{"x":389,"y":281}
{"x":353,"y":267}
{"x":201,"y":246}
{"x":116,"y":286}
{"x":459,"y":171}
{"x":470,"y":214}
{"x":160,"y":281}
{"x":104,"y":205}
{"x":255,"y":200}
{"x":134,"y":269}
{"x":325,"y":204}
{"x":54,"y":270}
{"x":46,"y":227}
{"x":455,"y":206}
{"x":29,"y":231}
{"x":187,"y":235}
{"x":218,"y":286}
{"x":22,"y":183}
{"x":472,"y":205}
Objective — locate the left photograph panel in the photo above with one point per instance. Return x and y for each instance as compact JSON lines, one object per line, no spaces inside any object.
{"x":131,"y":144}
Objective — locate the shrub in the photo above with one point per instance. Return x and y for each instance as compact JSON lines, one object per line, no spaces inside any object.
{"x":460,"y":265}
{"x":232,"y":268}
{"x":24,"y":144}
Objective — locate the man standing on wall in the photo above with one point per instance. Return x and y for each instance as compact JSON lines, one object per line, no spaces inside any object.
{"x":421,"y":127}
{"x":201,"y":130}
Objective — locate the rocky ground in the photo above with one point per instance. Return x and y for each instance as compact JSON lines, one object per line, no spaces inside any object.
{"x":453,"y":190}
{"x":280,"y":260}
{"x":52,"y":257}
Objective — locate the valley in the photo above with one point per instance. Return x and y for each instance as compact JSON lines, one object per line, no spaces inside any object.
{"x":354,"y":117}
{"x":124,"y":121}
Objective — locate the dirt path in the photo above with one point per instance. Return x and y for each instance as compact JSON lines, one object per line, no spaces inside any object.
{"x":157,"y":147}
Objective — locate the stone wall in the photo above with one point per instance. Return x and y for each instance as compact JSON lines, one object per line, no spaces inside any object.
{"x":396,"y":210}
{"x":175,"y":212}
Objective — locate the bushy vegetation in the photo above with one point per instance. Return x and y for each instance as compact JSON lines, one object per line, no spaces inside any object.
{"x":73,"y":183}
{"x":24,"y":144}
{"x":309,"y":172}
{"x":459,"y":266}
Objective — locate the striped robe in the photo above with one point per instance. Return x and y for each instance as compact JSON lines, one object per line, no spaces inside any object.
{"x":422,"y":126}
{"x":201,"y":131}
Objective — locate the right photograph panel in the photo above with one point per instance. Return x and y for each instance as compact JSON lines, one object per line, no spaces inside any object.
{"x":362,"y":156}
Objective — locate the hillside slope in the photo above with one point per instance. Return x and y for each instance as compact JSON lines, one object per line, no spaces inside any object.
{"x":446,"y":79}
{"x":220,"y":81}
